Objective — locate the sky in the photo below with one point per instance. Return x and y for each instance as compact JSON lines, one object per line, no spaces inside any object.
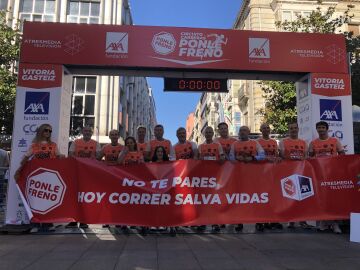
{"x":172,"y":108}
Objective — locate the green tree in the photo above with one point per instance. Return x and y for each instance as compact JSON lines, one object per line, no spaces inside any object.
{"x":9,"y":52}
{"x":280,"y":97}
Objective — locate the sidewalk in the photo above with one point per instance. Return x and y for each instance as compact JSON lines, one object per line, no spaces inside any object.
{"x":99,"y":248}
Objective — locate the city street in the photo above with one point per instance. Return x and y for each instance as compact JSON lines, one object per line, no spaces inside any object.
{"x":100,"y":248}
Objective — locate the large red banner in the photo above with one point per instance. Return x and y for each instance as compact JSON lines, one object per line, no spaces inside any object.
{"x":155,"y":47}
{"x":190,"y":192}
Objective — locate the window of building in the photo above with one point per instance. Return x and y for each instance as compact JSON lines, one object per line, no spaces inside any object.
{"x":37,"y":10}
{"x":3,"y":4}
{"x":83,"y":12}
{"x":83,"y":102}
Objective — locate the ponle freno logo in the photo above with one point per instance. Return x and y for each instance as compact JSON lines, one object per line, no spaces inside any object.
{"x":45,"y":190}
{"x":37,"y":103}
{"x":163,"y":43}
{"x":194,"y":48}
{"x":117,"y":42}
{"x":297,"y":187}
{"x":259,"y":48}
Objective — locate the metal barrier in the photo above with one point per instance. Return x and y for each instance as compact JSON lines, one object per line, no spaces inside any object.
{"x":4,"y":176}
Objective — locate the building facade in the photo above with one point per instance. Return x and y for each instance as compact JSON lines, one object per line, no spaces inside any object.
{"x":262,"y":15}
{"x":102,"y":102}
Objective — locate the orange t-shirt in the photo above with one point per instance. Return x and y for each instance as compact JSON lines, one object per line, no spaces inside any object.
{"x":184,"y":150}
{"x":133,"y":157}
{"x":270,"y":147}
{"x":209,"y":151}
{"x":155,"y":143}
{"x":294,"y":148}
{"x":111,"y":152}
{"x":245,"y":148}
{"x":43,"y":150}
{"x":225,"y":143}
{"x":85,"y":149}
{"x":323,"y":148}
{"x":141,"y":147}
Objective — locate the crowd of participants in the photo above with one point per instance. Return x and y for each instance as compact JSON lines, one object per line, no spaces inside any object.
{"x":219,"y":149}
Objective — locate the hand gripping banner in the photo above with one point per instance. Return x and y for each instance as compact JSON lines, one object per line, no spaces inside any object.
{"x":191,"y":192}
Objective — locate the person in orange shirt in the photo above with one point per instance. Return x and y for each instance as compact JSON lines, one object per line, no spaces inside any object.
{"x":326,"y":146}
{"x":112,"y":150}
{"x":159,"y":141}
{"x":184,"y":149}
{"x":210,"y":150}
{"x":293,"y":148}
{"x":141,"y":144}
{"x":269,"y":145}
{"x":246,"y":150}
{"x":271,"y":150}
{"x":130,"y":153}
{"x":85,"y":147}
{"x":225,"y":140}
{"x":42,"y":147}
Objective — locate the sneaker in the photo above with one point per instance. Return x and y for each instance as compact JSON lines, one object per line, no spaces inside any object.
{"x":291,"y":225}
{"x":239,"y":227}
{"x":216,"y":228}
{"x":323,"y":226}
{"x":83,"y":226}
{"x":143,"y":231}
{"x":304,"y":225}
{"x":172,"y":232}
{"x":72,"y":225}
{"x":335,"y":228}
{"x":259,"y":227}
{"x":277,"y":226}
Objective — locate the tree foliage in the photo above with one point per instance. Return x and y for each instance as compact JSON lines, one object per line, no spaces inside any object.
{"x":9,"y":52}
{"x":281,"y":96}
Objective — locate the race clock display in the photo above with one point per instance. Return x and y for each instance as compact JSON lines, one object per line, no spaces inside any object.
{"x":195,"y":85}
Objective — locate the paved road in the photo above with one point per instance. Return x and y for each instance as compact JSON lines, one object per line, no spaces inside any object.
{"x":99,"y":248}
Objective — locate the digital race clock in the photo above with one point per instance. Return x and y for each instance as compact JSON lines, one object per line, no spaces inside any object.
{"x":195,"y":85}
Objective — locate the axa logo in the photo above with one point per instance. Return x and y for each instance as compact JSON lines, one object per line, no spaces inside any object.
{"x":37,"y":103}
{"x":330,"y":110}
{"x":259,"y":48}
{"x":117,"y":42}
{"x":297,"y":187}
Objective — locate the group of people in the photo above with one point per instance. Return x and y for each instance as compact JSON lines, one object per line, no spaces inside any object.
{"x":222,"y":148}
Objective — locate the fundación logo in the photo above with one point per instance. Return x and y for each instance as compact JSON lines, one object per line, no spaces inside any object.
{"x":259,"y":48}
{"x":37,"y":103}
{"x":330,"y":110}
{"x":117,"y":42}
{"x":297,"y":187}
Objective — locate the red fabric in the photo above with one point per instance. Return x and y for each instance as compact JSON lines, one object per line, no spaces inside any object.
{"x":334,"y":183}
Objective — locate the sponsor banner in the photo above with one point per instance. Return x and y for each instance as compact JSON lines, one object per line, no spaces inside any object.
{"x":39,"y":99}
{"x":157,"y":47}
{"x":331,"y":102}
{"x":39,"y":76}
{"x":330,"y":85}
{"x":191,"y":192}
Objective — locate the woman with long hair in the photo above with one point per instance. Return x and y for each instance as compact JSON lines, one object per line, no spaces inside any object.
{"x":42,"y":147}
{"x":130,"y":153}
{"x":160,"y":155}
